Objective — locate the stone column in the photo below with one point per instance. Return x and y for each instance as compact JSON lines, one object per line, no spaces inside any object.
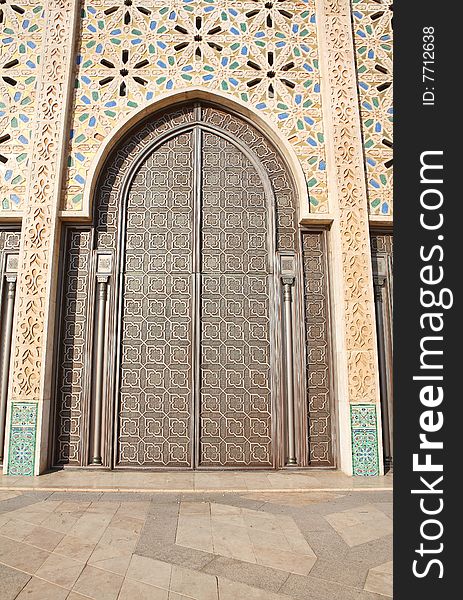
{"x":357,"y":388}
{"x":28,"y":416}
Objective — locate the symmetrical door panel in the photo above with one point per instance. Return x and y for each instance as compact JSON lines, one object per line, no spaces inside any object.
{"x":155,"y":406}
{"x":235,"y":416}
{"x":235,"y":406}
{"x":195,"y":235}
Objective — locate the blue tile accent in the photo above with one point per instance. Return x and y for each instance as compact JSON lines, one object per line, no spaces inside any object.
{"x":21,"y":457}
{"x":365,"y":456}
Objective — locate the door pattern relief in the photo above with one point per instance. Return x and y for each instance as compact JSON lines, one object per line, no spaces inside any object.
{"x":70,"y":427}
{"x":235,"y":411}
{"x":382,"y":263}
{"x":318,"y":362}
{"x":155,"y":409}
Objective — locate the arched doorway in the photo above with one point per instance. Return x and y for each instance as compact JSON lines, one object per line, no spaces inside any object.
{"x":187,"y":293}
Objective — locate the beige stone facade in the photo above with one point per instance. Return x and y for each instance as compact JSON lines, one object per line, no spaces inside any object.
{"x":300,"y":72}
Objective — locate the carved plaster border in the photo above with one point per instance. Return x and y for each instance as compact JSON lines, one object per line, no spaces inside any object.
{"x":355,"y":334}
{"x":33,"y":335}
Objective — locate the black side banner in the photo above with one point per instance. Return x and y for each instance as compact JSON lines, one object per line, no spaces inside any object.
{"x":427,"y":300}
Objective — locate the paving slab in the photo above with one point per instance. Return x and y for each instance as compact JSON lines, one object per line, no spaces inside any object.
{"x":217,"y":538}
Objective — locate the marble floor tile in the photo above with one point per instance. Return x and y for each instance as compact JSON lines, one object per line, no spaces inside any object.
{"x":234,"y":542}
{"x":136,"y":590}
{"x":212,"y":545}
{"x":90,"y":526}
{"x":194,"y":584}
{"x":115,"y":564}
{"x":17,"y":530}
{"x":29,"y":515}
{"x":149,"y":571}
{"x":21,"y":556}
{"x":60,"y":570}
{"x":75,"y":547}
{"x":61,"y":521}
{"x":98,"y":584}
{"x":233,"y":590}
{"x":47,"y":539}
{"x":360,"y":524}
{"x":284,"y":560}
{"x":379,"y":580}
{"x":38,"y":589}
{"x":12,"y":582}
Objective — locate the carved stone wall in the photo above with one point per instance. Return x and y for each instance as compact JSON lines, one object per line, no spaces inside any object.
{"x":266,"y":55}
{"x":21,"y":29}
{"x":35,"y":288}
{"x":352,"y":207}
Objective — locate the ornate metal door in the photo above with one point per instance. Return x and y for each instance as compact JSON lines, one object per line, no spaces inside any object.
{"x":195,"y":318}
{"x":234,"y":380}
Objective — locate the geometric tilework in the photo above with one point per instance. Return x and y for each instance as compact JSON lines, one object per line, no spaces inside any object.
{"x":365,"y":457}
{"x":263,"y":53}
{"x":21,"y":28}
{"x":22,"y":438}
{"x":372,"y":26}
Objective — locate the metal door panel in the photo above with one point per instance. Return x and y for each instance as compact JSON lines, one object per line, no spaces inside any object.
{"x":318,"y":360}
{"x":155,"y":411}
{"x":72,"y":407}
{"x":196,"y":208}
{"x":235,"y":409}
{"x":235,"y":403}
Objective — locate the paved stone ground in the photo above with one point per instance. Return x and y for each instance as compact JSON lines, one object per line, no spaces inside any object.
{"x":244,"y":545}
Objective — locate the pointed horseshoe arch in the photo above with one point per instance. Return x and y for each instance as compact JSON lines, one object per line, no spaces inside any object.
{"x":196,"y":94}
{"x":189,"y":292}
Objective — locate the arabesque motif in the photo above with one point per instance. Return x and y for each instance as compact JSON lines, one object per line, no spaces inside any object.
{"x":372,"y":25}
{"x":21,"y":29}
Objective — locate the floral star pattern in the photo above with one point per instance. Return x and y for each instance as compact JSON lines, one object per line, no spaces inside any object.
{"x":21,"y":25}
{"x":264,"y":53}
{"x":372,"y":23}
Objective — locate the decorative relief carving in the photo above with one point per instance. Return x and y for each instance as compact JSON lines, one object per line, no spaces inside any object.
{"x":71,"y":396}
{"x":39,"y":223}
{"x":155,"y":405}
{"x":285,"y":207}
{"x":319,"y":408}
{"x":352,"y":199}
{"x":9,"y":240}
{"x":236,"y":398}
{"x":21,"y":30}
